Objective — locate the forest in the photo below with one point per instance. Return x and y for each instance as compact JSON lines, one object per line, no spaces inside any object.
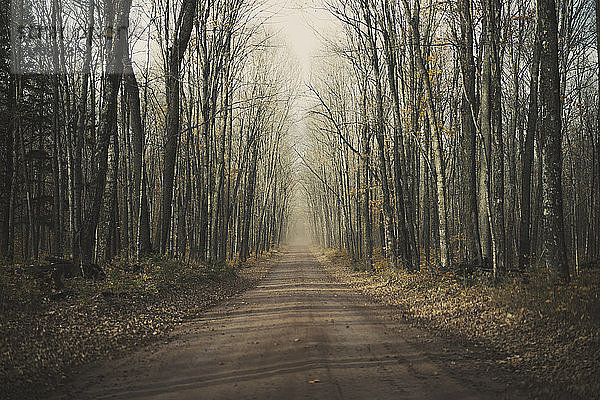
{"x":142,"y":130}
{"x":396,"y":192}
{"x":441,"y":133}
{"x":459,"y":132}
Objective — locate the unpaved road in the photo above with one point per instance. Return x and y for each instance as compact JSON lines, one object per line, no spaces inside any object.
{"x":298,"y":335}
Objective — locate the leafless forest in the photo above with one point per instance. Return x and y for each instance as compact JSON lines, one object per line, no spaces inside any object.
{"x":155,"y":149}
{"x":440,"y":132}
{"x":178,"y":149}
{"x":460,"y":131}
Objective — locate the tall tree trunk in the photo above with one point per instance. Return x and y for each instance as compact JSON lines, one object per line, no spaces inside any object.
{"x":555,"y":252}
{"x":497,"y":162}
{"x":595,"y":215}
{"x":438,"y":156}
{"x":364,"y":166}
{"x":485,"y":114}
{"x":117,"y":20}
{"x":217,"y":201}
{"x":6,"y":186}
{"x":424,"y":220}
{"x":141,"y":227}
{"x":144,"y":244}
{"x":14,"y":183}
{"x":406,"y":241}
{"x":175,"y":56}
{"x":248,"y":203}
{"x":76,"y":168}
{"x":388,"y":214}
{"x":206,"y":152}
{"x":525,"y":226}
{"x":469,"y":111}
{"x":29,"y":237}
{"x":170,"y":153}
{"x":514,"y":129}
{"x":112,"y":246}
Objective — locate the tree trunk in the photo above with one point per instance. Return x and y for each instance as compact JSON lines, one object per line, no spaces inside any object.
{"x":112,"y":246}
{"x":388,"y":214}
{"x":595,"y":215}
{"x":469,"y":110}
{"x":406,"y":241}
{"x":116,"y":18}
{"x":217,"y":200}
{"x":76,"y":168}
{"x":6,"y":185}
{"x":141,"y":227}
{"x":438,"y":157}
{"x":555,"y":253}
{"x":175,"y":56}
{"x":497,"y":161}
{"x":485,"y":114}
{"x":364,"y":161}
{"x":248,"y":204}
{"x":527,"y":158}
{"x":144,"y":244}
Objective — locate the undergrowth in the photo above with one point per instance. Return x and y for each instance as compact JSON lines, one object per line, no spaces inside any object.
{"x":25,"y":287}
{"x":577,"y":302}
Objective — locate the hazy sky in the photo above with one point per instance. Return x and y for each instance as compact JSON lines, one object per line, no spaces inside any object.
{"x":300,"y":22}
{"x":299,"y":25}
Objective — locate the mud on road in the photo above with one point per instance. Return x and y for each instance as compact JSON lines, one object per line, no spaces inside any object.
{"x":299,"y":335}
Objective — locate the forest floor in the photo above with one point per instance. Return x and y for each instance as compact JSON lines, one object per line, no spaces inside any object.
{"x":300,"y":334}
{"x":47,"y":336}
{"x":547,"y":336}
{"x":304,"y":329}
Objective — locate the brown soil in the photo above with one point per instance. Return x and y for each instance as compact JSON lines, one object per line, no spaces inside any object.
{"x":300,"y":334}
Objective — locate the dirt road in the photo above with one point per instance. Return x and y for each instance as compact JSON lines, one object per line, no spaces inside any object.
{"x":298,"y":335}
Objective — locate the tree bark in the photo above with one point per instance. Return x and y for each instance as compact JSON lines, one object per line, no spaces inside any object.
{"x":116,"y":19}
{"x":364,"y":166}
{"x":469,"y":109}
{"x":527,"y":158}
{"x":406,"y":241}
{"x":438,"y":157}
{"x":555,"y":252}
{"x":388,"y":214}
{"x":249,"y":202}
{"x":7,"y":171}
{"x":595,"y":215}
{"x":141,"y":227}
{"x":485,"y":115}
{"x":497,"y":162}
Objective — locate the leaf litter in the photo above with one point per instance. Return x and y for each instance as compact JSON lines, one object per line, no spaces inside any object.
{"x":547,"y":337}
{"x":45,"y":341}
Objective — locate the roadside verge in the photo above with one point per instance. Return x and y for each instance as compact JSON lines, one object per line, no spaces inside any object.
{"x":46,"y":341}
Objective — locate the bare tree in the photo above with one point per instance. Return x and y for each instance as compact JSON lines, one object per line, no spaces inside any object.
{"x":555,"y":253}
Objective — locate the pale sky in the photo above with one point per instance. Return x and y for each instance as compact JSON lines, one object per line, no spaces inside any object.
{"x":299,"y":23}
{"x":299,"y":26}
